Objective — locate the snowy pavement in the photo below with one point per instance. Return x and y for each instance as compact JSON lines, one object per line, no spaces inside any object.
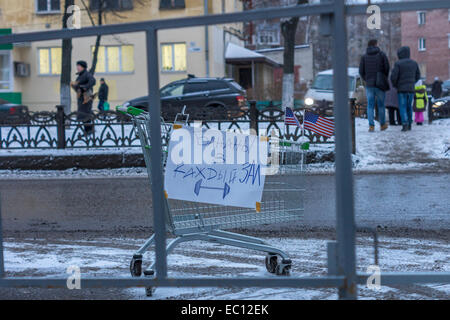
{"x":424,"y":148}
{"x":101,"y":257}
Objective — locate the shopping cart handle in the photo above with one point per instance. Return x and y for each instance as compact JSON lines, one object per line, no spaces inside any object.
{"x":129,"y":110}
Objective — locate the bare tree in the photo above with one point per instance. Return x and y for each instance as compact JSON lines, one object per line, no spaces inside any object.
{"x":66,"y":63}
{"x":288,"y":30}
{"x":101,"y":10}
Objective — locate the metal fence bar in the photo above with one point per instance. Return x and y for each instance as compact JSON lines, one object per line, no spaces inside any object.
{"x":399,"y":6}
{"x":345,"y":222}
{"x":399,"y":278}
{"x":154,"y":106}
{"x":259,"y":14}
{"x":287,"y":282}
{"x":347,"y":278}
{"x":2,"y":261}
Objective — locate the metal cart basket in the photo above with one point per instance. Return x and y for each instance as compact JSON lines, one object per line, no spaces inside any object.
{"x":282,"y":202}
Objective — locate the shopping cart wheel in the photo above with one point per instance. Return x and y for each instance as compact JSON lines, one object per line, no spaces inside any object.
{"x":149,"y":290}
{"x":136,"y":265}
{"x":271,"y":263}
{"x":284,"y":268}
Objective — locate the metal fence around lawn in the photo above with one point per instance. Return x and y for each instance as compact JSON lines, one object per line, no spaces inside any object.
{"x":51,"y":130}
{"x":342,"y":265}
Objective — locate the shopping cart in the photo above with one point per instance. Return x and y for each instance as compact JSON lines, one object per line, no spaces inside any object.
{"x":282,"y":201}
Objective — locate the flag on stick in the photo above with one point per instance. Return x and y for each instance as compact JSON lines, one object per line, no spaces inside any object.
{"x":290,"y":118}
{"x":319,"y":124}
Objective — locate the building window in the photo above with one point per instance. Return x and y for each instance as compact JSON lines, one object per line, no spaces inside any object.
{"x":173,"y":56}
{"x":115,"y":59}
{"x":448,"y":35}
{"x":108,"y":5}
{"x":49,"y":61}
{"x":171,"y":4}
{"x":6,"y":74}
{"x":422,"y":44}
{"x":423,"y":70}
{"x":268,"y":34}
{"x":48,"y":6}
{"x":421,"y":17}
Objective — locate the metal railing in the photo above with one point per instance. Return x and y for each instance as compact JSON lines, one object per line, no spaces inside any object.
{"x":341,"y":258}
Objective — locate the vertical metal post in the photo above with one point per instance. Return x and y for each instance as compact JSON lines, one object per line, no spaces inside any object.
{"x":345,"y":222}
{"x":353,"y":122}
{"x":254,"y":117}
{"x":60,"y":127}
{"x":2,"y":262}
{"x":332,"y":258}
{"x":154,"y":106}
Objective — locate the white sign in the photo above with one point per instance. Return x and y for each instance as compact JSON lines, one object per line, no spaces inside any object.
{"x":218,"y":167}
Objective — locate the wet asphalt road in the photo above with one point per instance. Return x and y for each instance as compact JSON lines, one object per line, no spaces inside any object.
{"x":413,"y":200}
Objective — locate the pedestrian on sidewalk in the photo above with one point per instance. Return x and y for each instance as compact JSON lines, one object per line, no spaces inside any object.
{"x":404,"y":77}
{"x":436,"y":88}
{"x":83,"y":86}
{"x":391,"y":103}
{"x":420,"y":102}
{"x":102,"y":95}
{"x":374,"y":69}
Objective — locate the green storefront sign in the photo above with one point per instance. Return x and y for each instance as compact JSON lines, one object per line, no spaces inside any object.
{"x":6,"y":46}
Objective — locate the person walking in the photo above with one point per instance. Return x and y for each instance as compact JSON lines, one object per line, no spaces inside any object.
{"x":391,"y":103}
{"x":436,"y":88}
{"x":102,"y":95}
{"x":374,"y":69}
{"x":420,"y":102}
{"x":404,"y":76}
{"x":83,"y":86}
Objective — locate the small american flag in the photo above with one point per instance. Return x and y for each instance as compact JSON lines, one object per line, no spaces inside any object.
{"x":290,"y":118}
{"x":319,"y":124}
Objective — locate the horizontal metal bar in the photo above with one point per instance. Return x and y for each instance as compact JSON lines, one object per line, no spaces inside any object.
{"x":259,"y":14}
{"x":399,"y":6}
{"x":280,"y":282}
{"x":408,"y":278}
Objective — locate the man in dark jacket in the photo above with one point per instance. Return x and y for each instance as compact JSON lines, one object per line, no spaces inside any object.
{"x":83,"y":86}
{"x":102,"y":94}
{"x":436,"y":88}
{"x":404,"y":77}
{"x":372,"y":63}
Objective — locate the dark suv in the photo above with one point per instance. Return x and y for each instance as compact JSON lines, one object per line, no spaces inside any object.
{"x":204,"y":98}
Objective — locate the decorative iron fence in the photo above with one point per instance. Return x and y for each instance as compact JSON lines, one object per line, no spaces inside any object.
{"x":50,"y":130}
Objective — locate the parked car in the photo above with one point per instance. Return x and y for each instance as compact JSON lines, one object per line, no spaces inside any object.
{"x":446,"y":88}
{"x":11,"y":113}
{"x":204,"y":98}
{"x":321,"y":89}
{"x":441,"y":107}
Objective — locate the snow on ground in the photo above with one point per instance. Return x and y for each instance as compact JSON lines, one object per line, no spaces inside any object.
{"x":425,"y":147}
{"x":100,"y":257}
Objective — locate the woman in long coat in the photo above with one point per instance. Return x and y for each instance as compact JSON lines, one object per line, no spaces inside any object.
{"x":391,"y":103}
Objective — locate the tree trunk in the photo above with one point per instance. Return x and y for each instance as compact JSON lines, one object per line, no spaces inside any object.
{"x":66,"y":64}
{"x":288,"y":29}
{"x":97,"y":40}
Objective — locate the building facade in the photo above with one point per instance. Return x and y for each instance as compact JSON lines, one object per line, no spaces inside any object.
{"x":427,"y":33}
{"x":30,"y":72}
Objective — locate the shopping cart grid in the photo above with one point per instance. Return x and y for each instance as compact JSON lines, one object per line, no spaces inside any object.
{"x":282,"y":202}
